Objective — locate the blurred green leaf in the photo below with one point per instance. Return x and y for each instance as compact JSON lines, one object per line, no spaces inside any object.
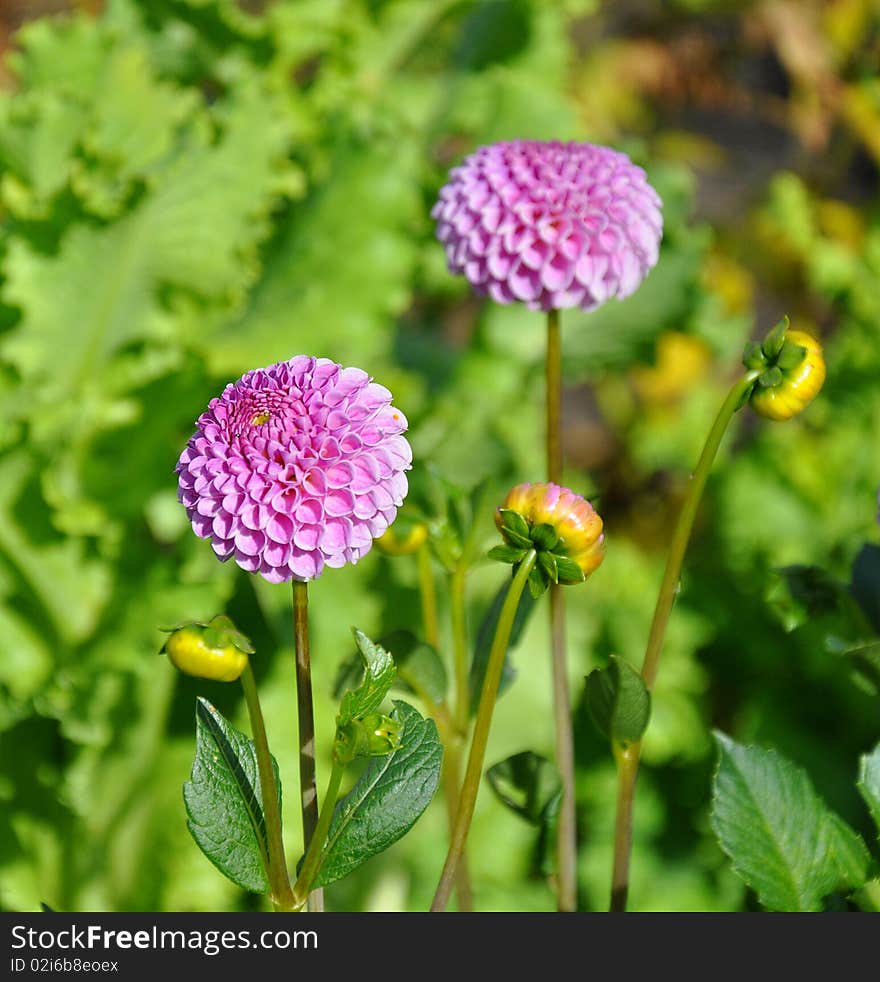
{"x":619,"y":701}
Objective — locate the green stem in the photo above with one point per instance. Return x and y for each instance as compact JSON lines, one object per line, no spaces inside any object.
{"x":306,"y":722}
{"x":468,"y":797}
{"x":279,"y":883}
{"x":628,"y":771}
{"x":428,"y":596}
{"x":553,"y":388}
{"x":459,"y":646}
{"x":566,"y":841}
{"x":312,"y":862}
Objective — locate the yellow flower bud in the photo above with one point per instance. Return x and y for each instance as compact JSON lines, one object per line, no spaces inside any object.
{"x":216,"y":650}
{"x":802,"y":373}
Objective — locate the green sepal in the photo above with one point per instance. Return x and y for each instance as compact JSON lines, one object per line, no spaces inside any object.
{"x":568,"y":570}
{"x":753,"y":356}
{"x":745,"y":396}
{"x":770,"y":378}
{"x":537,"y":583}
{"x":218,"y":632}
{"x":507,"y":554}
{"x":512,"y":521}
{"x":544,"y":537}
{"x":791,"y":356}
{"x":547,"y":564}
{"x":222,"y":633}
{"x":775,"y":339}
{"x":373,"y":736}
{"x":618,"y":701}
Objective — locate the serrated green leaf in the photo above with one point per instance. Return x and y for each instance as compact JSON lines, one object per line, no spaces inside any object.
{"x":224,"y":801}
{"x":387,"y":799}
{"x":379,"y":672}
{"x":483,"y":642}
{"x":780,"y":836}
{"x":618,"y":701}
{"x":869,"y":783}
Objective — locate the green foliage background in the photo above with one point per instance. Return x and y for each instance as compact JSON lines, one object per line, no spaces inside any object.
{"x":192,"y":188}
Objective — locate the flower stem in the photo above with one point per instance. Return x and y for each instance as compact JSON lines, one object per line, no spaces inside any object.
{"x":312,"y":861}
{"x":628,"y":760}
{"x":459,"y":647}
{"x":468,"y":797}
{"x":279,"y":884}
{"x":428,"y":596}
{"x":566,"y":844}
{"x":306,"y":721}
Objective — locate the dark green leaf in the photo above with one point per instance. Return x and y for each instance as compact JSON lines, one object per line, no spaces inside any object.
{"x":780,"y":836}
{"x":224,"y":803}
{"x":379,"y":672}
{"x":483,"y":644}
{"x":618,"y":701}
{"x":869,"y":783}
{"x":387,"y":799}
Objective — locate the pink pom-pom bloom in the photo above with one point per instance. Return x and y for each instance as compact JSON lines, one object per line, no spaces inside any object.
{"x":553,"y":225}
{"x":295,"y":467}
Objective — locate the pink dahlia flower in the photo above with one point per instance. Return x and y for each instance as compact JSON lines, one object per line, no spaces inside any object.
{"x":294,"y":467}
{"x":553,"y":225}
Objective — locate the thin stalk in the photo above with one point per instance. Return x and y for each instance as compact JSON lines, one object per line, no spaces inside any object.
{"x":306,"y":721}
{"x":471,"y":786}
{"x":628,"y":762}
{"x":428,"y":596}
{"x":312,"y":861}
{"x":459,"y":647}
{"x":279,"y":883}
{"x":566,"y":841}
